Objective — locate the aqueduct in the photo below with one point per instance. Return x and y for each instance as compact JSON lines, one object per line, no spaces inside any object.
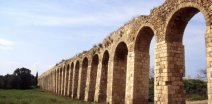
{"x":117,"y":70}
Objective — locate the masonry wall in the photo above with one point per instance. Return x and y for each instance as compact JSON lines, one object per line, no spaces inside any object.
{"x":116,"y":71}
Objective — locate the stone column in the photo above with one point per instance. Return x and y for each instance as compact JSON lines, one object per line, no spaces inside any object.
{"x":209,"y":60}
{"x":79,"y":81}
{"x":72,"y":89}
{"x":129,"y":81}
{"x":70,"y":81}
{"x":62,"y":82}
{"x":66,"y":80}
{"x":110,"y":80}
{"x":56,"y":81}
{"x":52,"y":82}
{"x":49,"y":83}
{"x":75,"y":80}
{"x":98,"y":79}
{"x":59,"y":82}
{"x":88,"y":80}
{"x":170,"y":68}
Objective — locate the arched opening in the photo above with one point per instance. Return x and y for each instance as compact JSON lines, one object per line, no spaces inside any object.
{"x":93,"y":74}
{"x":61,"y":81}
{"x":58,"y":79}
{"x":176,"y":61}
{"x":142,"y":65}
{"x":119,"y":74}
{"x":83,"y":78}
{"x":55,"y":80}
{"x":103,"y":78}
{"x":67,"y":80}
{"x":76,"y":77}
{"x":71,"y":79}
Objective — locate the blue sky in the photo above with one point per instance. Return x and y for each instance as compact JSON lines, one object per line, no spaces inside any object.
{"x":39,"y":33}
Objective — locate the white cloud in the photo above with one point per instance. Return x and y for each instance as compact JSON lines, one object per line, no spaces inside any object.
{"x":105,"y":17}
{"x":6,"y":44}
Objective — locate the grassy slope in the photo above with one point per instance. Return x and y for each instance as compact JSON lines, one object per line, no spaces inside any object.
{"x":35,"y":96}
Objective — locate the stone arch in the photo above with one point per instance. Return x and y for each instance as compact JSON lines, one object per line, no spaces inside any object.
{"x":180,"y":17}
{"x":93,"y":76}
{"x":174,"y":32}
{"x":142,"y":64}
{"x":103,"y":78}
{"x":119,"y":73}
{"x":67,"y":79}
{"x":71,"y":79}
{"x":76,"y":77}
{"x":83,"y":78}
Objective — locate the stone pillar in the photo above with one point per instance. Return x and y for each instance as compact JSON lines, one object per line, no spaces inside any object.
{"x":98,"y":79}
{"x":110,"y":80}
{"x":54,"y":87}
{"x":170,"y":68}
{"x":79,"y":81}
{"x":70,"y":82}
{"x":59,"y":82}
{"x":88,"y":81}
{"x":56,"y":79}
{"x":49,"y":83}
{"x":49,"y":79}
{"x":62,"y":82}
{"x":72,"y":89}
{"x":75,"y":80}
{"x":129,"y":81}
{"x":52,"y":81}
{"x":209,"y":60}
{"x":66,"y":80}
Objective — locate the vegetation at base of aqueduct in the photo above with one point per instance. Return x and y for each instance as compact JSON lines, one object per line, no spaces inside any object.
{"x":34,"y":96}
{"x":195,"y":89}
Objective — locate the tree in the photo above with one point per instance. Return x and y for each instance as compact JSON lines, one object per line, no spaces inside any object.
{"x":202,"y":75}
{"x":25,"y":76}
{"x":1,"y":81}
{"x":36,"y":80}
{"x":151,"y":73}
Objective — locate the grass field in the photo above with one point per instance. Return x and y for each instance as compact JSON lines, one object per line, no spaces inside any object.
{"x":35,"y":96}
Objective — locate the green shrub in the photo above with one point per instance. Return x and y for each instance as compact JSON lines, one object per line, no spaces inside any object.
{"x":194,"y":89}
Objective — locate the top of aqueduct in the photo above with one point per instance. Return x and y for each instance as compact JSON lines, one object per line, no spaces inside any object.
{"x":157,"y":21}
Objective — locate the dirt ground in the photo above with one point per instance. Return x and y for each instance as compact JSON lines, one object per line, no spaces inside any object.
{"x":197,"y":102}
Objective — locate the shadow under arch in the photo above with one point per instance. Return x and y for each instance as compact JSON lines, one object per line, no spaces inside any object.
{"x":142,"y":65}
{"x":83,"y":78}
{"x":76,"y":77}
{"x":71,"y":79}
{"x":67,"y":79}
{"x":93,"y":75}
{"x":103,"y":78}
{"x":119,"y":73}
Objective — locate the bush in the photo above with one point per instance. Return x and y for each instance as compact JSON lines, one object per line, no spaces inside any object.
{"x":195,"y":89}
{"x":20,"y":79}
